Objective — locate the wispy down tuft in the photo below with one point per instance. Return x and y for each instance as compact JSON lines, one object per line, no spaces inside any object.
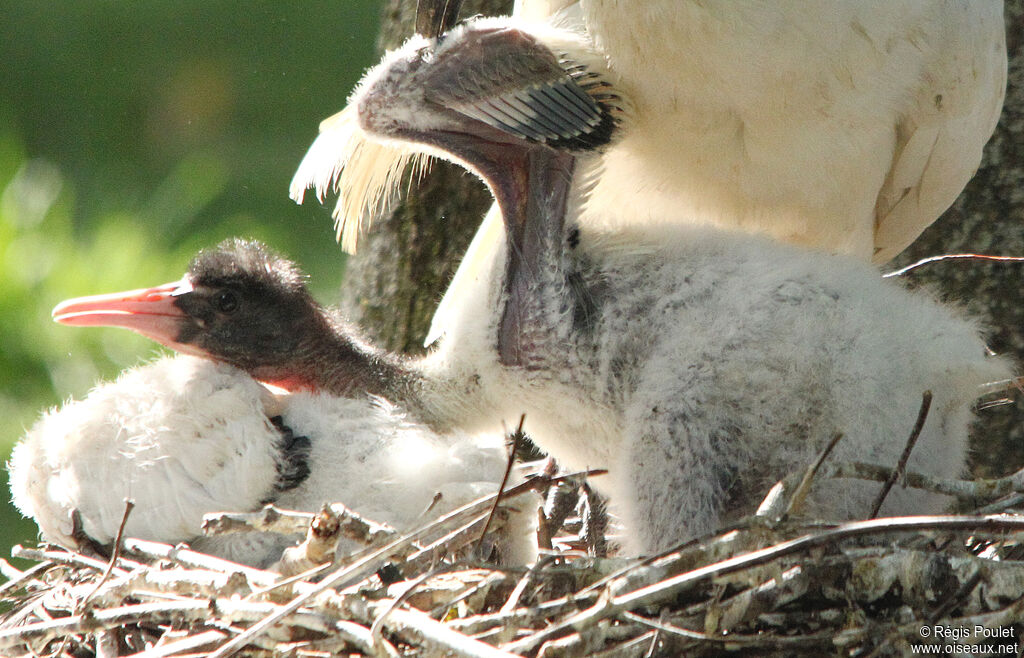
{"x":365,"y":174}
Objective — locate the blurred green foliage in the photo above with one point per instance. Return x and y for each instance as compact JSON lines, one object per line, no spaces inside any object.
{"x":131,"y":135}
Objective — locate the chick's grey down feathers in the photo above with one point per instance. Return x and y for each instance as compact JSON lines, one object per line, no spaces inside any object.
{"x":697,"y":365}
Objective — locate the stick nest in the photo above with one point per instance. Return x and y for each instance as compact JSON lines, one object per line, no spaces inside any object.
{"x":769,"y":586}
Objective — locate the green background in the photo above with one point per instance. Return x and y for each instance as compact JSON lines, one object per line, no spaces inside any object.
{"x":131,"y":135}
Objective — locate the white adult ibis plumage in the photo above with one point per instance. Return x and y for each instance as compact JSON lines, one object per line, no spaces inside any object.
{"x":844,"y":126}
{"x":184,"y":436}
{"x":847,"y":127}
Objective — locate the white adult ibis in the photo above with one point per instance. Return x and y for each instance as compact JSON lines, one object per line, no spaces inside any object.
{"x":844,"y":126}
{"x":848,"y":127}
{"x":184,"y":436}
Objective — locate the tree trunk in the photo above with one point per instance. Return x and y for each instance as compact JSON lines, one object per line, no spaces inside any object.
{"x":405,"y":263}
{"x":407,"y":259}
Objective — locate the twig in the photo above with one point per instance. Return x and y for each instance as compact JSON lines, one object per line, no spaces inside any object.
{"x":129,"y":505}
{"x":517,"y":438}
{"x":960,"y":489}
{"x":530,"y":576}
{"x":350,"y":570}
{"x":194,"y":610}
{"x":1001,"y":505}
{"x":296,"y":579}
{"x":376,"y":634}
{"x":760,"y":640}
{"x":15,"y":580}
{"x":609,"y":606}
{"x":655,"y":638}
{"x":184,"y":555}
{"x":267,"y":519}
{"x":901,"y":465}
{"x":416,"y":627}
{"x":8,"y":571}
{"x":182,"y":645}
{"x":937,"y":259}
{"x":448,"y":542}
{"x":60,"y":556}
{"x":360,"y":637}
{"x":780,"y":589}
{"x":286,"y":522}
{"x":800,"y":495}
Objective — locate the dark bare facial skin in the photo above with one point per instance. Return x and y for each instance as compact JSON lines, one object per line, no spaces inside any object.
{"x":250,"y":308}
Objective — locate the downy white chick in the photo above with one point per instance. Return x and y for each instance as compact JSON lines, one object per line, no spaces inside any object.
{"x":184,"y":436}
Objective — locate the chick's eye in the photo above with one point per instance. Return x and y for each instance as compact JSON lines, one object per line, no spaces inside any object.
{"x":225,"y":301}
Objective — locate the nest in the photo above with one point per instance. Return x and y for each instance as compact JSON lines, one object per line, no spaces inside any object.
{"x":771,"y":585}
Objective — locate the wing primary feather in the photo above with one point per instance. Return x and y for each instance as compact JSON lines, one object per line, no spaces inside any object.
{"x":555,"y":125}
{"x":534,"y":120}
{"x":480,"y":113}
{"x":579,"y":99}
{"x":551,"y":105}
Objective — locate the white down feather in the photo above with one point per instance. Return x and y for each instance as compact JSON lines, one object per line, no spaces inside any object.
{"x":184,"y":437}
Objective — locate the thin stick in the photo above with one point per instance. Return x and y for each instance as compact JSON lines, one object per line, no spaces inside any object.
{"x":184,"y":644}
{"x":181,"y":554}
{"x":188,"y":610}
{"x":609,"y":606}
{"x":129,"y":505}
{"x":529,"y":577}
{"x":1011,"y":485}
{"x":901,"y":466}
{"x":377,"y":628}
{"x":257,"y":629}
{"x":800,"y":495}
{"x":13,"y":582}
{"x":517,"y":438}
{"x":59,"y":556}
{"x":439,"y":640}
{"x":491,"y":579}
{"x":760,"y":640}
{"x":936,"y":259}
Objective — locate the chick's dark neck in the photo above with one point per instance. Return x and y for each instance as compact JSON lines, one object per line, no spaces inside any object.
{"x":333,"y":358}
